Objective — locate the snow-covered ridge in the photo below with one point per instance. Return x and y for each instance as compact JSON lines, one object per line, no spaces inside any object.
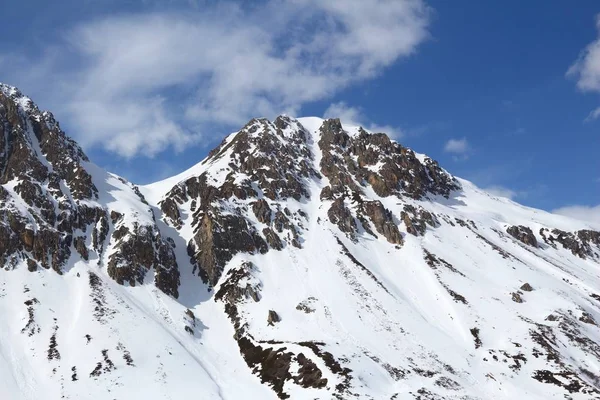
{"x":301,"y":259}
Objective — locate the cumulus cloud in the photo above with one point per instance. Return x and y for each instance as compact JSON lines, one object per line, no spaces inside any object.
{"x":587,"y":67}
{"x":354,"y":116}
{"x":590,"y":214}
{"x":586,"y":70}
{"x":140,"y":83}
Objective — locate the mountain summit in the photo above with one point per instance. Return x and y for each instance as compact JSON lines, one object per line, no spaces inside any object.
{"x":301,"y":259}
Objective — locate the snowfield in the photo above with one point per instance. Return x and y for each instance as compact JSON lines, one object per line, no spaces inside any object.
{"x":463,"y":311}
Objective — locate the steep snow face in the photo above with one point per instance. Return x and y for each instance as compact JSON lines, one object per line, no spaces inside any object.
{"x":387,"y":277}
{"x":301,"y":259}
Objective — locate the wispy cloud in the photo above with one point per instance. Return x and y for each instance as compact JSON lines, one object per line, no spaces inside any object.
{"x":593,"y":115}
{"x":589,"y":214}
{"x":586,"y":70}
{"x":137,"y":84}
{"x":460,"y":148}
{"x":355,"y":116}
{"x":501,"y":191}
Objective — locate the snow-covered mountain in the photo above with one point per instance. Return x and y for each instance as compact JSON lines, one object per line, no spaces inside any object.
{"x":301,"y":259}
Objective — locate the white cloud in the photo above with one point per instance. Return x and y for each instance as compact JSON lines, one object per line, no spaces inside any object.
{"x":593,"y":115}
{"x":501,"y":191}
{"x":458,"y":146}
{"x":354,"y":116}
{"x":590,"y":214}
{"x":140,"y":83}
{"x":586,"y":70}
{"x":587,"y":67}
{"x":460,"y":149}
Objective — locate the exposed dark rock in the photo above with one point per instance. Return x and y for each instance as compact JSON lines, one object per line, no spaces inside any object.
{"x":475,"y":333}
{"x":31,"y":328}
{"x":434,"y":262}
{"x":170,"y":209}
{"x":587,"y":318}
{"x":80,"y":246}
{"x":400,"y":171}
{"x":583,"y":243}
{"x":53,"y":353}
{"x":526,"y":287}
{"x":516,"y":297}
{"x":32,"y":265}
{"x":523,"y":234}
{"x":272,"y":239}
{"x":218,"y":239}
{"x":116,"y":216}
{"x":417,"y":219}
{"x":230,"y":290}
{"x":259,"y":161}
{"x":273,"y":318}
{"x":309,"y":375}
{"x":139,"y":250}
{"x":326,"y":193}
{"x":272,"y":365}
{"x":262,"y":211}
{"x":340,"y":215}
{"x":447,"y":383}
{"x":306,"y":306}
{"x":346,"y":252}
{"x":383,"y":221}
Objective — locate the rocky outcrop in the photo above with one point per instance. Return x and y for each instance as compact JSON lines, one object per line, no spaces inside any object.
{"x":262,"y":211}
{"x":49,"y":204}
{"x":351,"y":162}
{"x":273,"y":318}
{"x":267,"y":163}
{"x":272,"y":239}
{"x":218,"y":239}
{"x":340,"y":215}
{"x":240,"y":285}
{"x":523,"y":234}
{"x":516,"y":297}
{"x":23,"y":127}
{"x":271,"y":360}
{"x":383,"y":221}
{"x":583,"y":243}
{"x":417,"y":219}
{"x":526,"y":287}
{"x":139,"y":250}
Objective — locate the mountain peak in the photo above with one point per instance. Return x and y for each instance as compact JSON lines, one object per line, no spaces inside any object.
{"x":313,"y":258}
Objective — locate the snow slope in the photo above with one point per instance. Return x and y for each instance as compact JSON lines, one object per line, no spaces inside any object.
{"x":443,"y":313}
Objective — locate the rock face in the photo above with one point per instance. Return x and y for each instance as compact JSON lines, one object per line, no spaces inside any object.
{"x":51,"y":205}
{"x":351,"y":162}
{"x":264,"y":164}
{"x":523,"y":234}
{"x":340,"y":215}
{"x":273,"y":318}
{"x":139,"y":250}
{"x":583,"y":243}
{"x":267,"y":164}
{"x":417,"y":220}
{"x":366,"y":260}
{"x":383,"y":221}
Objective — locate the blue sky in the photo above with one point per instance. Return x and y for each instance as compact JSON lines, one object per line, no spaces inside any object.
{"x":504,"y":96}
